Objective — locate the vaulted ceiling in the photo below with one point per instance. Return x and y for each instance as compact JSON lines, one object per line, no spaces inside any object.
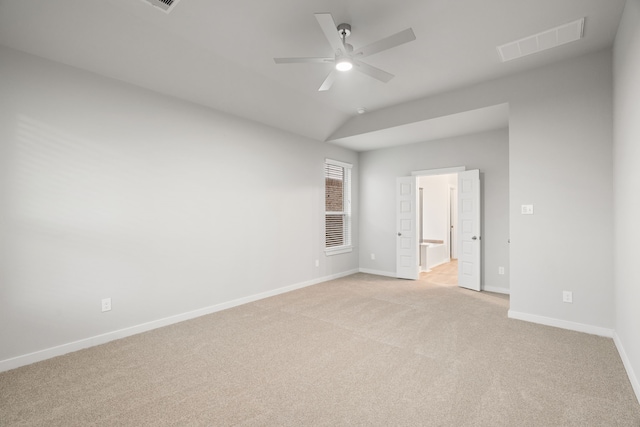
{"x":220,"y":53}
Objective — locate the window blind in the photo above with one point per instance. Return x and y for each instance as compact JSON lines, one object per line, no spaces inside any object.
{"x":337,"y":204}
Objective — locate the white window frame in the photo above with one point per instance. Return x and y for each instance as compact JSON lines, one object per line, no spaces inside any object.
{"x":346,"y":200}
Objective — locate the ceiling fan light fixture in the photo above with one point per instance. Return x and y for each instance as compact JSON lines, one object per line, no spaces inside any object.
{"x":344,"y":64}
{"x":345,"y":57}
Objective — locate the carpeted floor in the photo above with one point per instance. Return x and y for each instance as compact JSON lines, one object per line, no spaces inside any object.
{"x":363,"y":350}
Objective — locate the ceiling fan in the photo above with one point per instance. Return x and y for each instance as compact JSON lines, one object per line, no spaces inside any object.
{"x":345,"y":58}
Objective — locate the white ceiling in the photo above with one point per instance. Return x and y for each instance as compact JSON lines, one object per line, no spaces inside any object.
{"x":220,"y":53}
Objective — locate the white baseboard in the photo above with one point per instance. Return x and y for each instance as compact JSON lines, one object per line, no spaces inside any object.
{"x":635,"y":383}
{"x":496,"y":290}
{"x":378,"y":272}
{"x":49,"y":353}
{"x":563,"y":324}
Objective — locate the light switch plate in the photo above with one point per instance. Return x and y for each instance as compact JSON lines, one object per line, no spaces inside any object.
{"x":527,"y":209}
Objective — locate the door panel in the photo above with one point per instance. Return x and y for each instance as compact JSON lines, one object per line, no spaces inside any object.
{"x":469,"y":230}
{"x":407,"y":228}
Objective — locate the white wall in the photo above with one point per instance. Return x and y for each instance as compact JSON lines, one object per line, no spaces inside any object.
{"x":626,"y":153}
{"x":108,"y":190}
{"x":435,"y":191}
{"x":486,"y":151}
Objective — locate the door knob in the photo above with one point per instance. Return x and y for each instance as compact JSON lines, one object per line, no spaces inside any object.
{"x":399,"y":234}
{"x":474,"y":238}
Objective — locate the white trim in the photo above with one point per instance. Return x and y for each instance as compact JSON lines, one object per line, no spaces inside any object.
{"x":379,"y":273}
{"x":563,"y":324}
{"x":496,"y":290}
{"x":337,"y":250}
{"x":443,"y":171}
{"x":627,"y":365}
{"x":60,"y":350}
{"x":338,"y":163}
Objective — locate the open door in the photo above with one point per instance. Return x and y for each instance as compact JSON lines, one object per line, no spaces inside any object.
{"x":407,"y":244}
{"x":469,"y":230}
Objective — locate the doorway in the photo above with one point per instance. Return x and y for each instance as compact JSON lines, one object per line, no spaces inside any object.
{"x":432,"y":246}
{"x":437,"y":220}
{"x":442,"y":275}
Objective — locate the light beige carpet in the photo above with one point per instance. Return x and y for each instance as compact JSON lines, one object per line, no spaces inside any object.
{"x":363,"y":350}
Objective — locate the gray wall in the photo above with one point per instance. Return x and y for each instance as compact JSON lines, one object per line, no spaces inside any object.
{"x":108,"y":190}
{"x":487,"y":151}
{"x":560,"y":160}
{"x":626,"y":151}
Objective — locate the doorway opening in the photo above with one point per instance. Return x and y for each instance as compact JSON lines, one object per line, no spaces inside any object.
{"x":438,"y":227}
{"x":436,"y":243}
{"x":443,"y":275}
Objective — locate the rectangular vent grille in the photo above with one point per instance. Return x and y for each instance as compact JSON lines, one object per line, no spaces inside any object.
{"x":166,"y":5}
{"x":542,"y":41}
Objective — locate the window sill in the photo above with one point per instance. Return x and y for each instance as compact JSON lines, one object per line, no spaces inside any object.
{"x":338,"y":250}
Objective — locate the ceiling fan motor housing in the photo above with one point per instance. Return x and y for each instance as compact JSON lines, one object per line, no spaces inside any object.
{"x":344,"y":30}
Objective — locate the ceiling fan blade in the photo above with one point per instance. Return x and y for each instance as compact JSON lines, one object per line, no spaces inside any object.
{"x":386,"y":43}
{"x":326,"y":85}
{"x":372,"y":71}
{"x":303,"y":60}
{"x":330,"y":31}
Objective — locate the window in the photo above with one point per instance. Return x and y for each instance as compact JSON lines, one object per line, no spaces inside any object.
{"x":337,"y":178}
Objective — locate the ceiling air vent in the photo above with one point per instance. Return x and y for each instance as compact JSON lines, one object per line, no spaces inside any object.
{"x":166,"y":5}
{"x":542,"y":41}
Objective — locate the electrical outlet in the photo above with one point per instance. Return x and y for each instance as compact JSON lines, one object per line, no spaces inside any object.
{"x":106,"y":304}
{"x":373,"y":256}
{"x":526,"y":209}
{"x":500,"y":270}
{"x":567,"y":296}
{"x":317,"y":263}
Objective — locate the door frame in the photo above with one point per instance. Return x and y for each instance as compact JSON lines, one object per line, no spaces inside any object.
{"x":442,"y":171}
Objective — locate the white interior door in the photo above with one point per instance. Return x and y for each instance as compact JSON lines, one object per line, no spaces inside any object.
{"x":469,"y":229}
{"x":454,"y":221}
{"x":407,"y":245}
